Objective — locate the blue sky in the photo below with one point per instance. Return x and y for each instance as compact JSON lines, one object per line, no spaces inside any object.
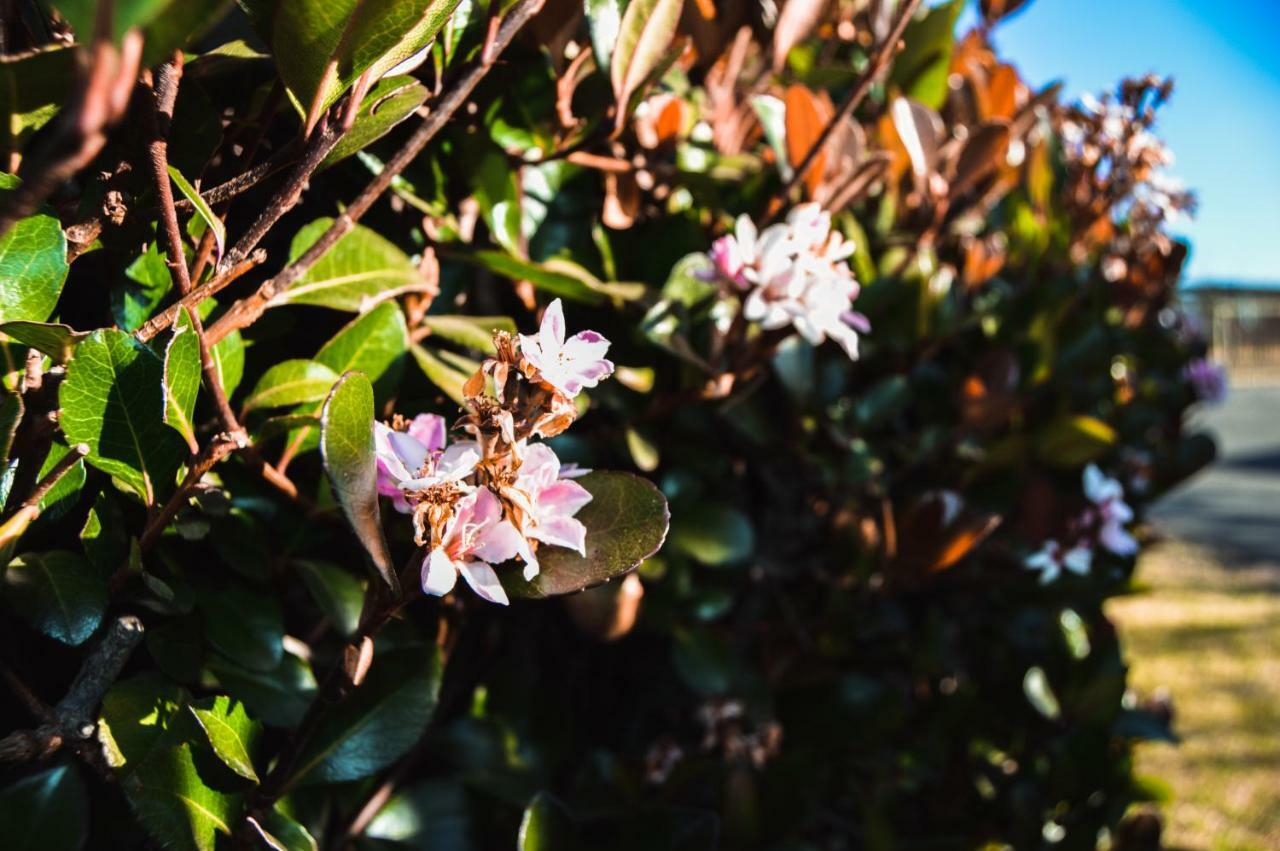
{"x":1223,"y":122}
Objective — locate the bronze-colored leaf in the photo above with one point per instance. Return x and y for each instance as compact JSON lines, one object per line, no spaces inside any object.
{"x":796,"y":21}
{"x":983,"y":152}
{"x":806,"y":116}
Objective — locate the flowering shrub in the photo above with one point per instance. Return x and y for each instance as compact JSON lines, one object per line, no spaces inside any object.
{"x":804,"y":545}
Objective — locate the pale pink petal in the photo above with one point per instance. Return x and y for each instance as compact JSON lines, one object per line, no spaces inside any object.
{"x":1117,"y":540}
{"x":532,"y":350}
{"x":483,"y":581}
{"x":458,"y":461}
{"x":429,"y":430}
{"x":540,"y":467}
{"x":531,"y":565}
{"x":439,"y":574}
{"x":586,"y":346}
{"x":562,"y":532}
{"x":497,"y":542}
{"x":1078,"y":560}
{"x":562,"y":499}
{"x":573,"y":471}
{"x":411,"y":452}
{"x":1119,"y":512}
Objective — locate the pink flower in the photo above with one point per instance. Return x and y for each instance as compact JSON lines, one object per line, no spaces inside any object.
{"x":475,"y":538}
{"x":1052,"y":558}
{"x":548,"y":501}
{"x":415,"y":459}
{"x":1208,"y":380}
{"x":1113,"y":513}
{"x":567,"y":366}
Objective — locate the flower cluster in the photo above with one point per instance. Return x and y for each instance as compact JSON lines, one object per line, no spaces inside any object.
{"x":1102,"y":523}
{"x":795,"y":273}
{"x":1208,"y":380}
{"x":495,"y":495}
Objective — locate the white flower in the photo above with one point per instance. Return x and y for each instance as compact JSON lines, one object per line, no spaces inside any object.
{"x":569,"y":365}
{"x":1113,"y":513}
{"x":1051,"y":559}
{"x":548,"y":501}
{"x":415,"y":458}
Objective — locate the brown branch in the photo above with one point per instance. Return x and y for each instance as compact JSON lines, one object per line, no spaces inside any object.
{"x":244,"y":181}
{"x":205,"y":291}
{"x":80,"y":130}
{"x":59,"y":470}
{"x":246,"y":311}
{"x":74,"y":719}
{"x":159,"y":118}
{"x":220,"y":447}
{"x":888,"y":49}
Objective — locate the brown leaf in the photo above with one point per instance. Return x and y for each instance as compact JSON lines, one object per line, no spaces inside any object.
{"x":806,"y":116}
{"x":994,"y":10}
{"x":644,"y":37}
{"x":982,"y":153}
{"x":797,"y":20}
{"x":621,"y":200}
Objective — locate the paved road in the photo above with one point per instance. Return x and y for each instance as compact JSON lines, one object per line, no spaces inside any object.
{"x":1234,"y":506}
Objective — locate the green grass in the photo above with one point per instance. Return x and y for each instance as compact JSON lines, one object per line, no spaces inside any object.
{"x":1210,"y":635}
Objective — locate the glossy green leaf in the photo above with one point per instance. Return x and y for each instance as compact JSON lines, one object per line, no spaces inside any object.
{"x":362,"y":269}
{"x":390,"y":102}
{"x":626,"y":522}
{"x":330,"y":43}
{"x":149,"y":281}
{"x":55,"y":340}
{"x":644,"y":40}
{"x":278,"y":697}
{"x":378,"y":721}
{"x":44,"y":811}
{"x":473,"y":332}
{"x":58,"y":593}
{"x":227,"y":353}
{"x":103,"y":537}
{"x":604,"y":20}
{"x":33,"y":264}
{"x":63,"y":494}
{"x":33,"y":87}
{"x":559,"y":278}
{"x":165,"y":24}
{"x":285,"y":424}
{"x":112,"y":400}
{"x":430,"y":815}
{"x":11,"y":409}
{"x":244,"y":624}
{"x":232,"y":734}
{"x":713,"y":534}
{"x":920,"y":71}
{"x":158,"y":751}
{"x":338,"y":593}
{"x":1073,"y":441}
{"x":346,"y":444}
{"x":182,"y":379}
{"x":291,"y":382}
{"x":202,"y":208}
{"x":440,"y":373}
{"x":547,"y":826}
{"x":278,"y":832}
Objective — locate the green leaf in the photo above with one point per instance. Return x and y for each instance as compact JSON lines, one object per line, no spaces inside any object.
{"x":47,"y":810}
{"x":232,"y":733}
{"x":390,"y":102}
{"x":291,"y":382}
{"x":604,"y":19}
{"x":33,"y":264}
{"x":473,"y":332}
{"x":244,"y":624}
{"x":165,"y":24}
{"x":440,"y":373}
{"x":547,"y":826}
{"x":159,"y":753}
{"x":377,"y":722}
{"x":346,"y":444}
{"x":133,"y":302}
{"x":62,"y":495}
{"x":330,"y":43}
{"x":626,"y":522}
{"x":430,"y":815}
{"x":33,"y":87}
{"x":182,"y":379}
{"x":11,"y":409}
{"x":111,"y":400}
{"x":202,"y":208}
{"x":227,"y":353}
{"x":55,"y":340}
{"x":713,"y":534}
{"x":279,"y":697}
{"x":360,"y":270}
{"x":562,"y":278}
{"x":103,"y":537}
{"x":281,"y":833}
{"x":644,"y":40}
{"x":920,"y":71}
{"x":1073,"y":441}
{"x":58,"y":593}
{"x":338,"y":593}
{"x":284,"y":424}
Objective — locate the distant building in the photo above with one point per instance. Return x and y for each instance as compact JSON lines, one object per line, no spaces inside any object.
{"x":1241,"y":319}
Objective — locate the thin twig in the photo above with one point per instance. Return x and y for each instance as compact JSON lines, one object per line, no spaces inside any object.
{"x":60,"y":469}
{"x":205,"y":291}
{"x":246,"y":311}
{"x":220,"y":447}
{"x":244,"y":181}
{"x":888,"y":49}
